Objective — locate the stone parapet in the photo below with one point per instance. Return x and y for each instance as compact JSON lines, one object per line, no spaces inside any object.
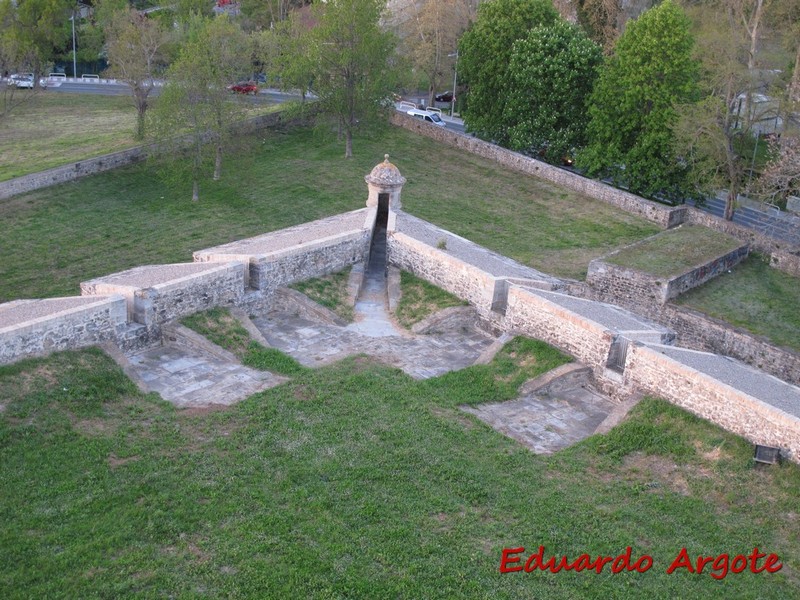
{"x":37,"y":327}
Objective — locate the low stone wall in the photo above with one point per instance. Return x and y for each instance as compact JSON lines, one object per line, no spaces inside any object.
{"x":302,"y":252}
{"x":448,"y":272}
{"x":616,"y":281}
{"x":106,"y":162}
{"x":531,"y":315}
{"x":784,"y":256}
{"x":157,"y":294}
{"x":699,"y":331}
{"x":709,"y":398}
{"x":39,"y":328}
{"x":662,"y":215}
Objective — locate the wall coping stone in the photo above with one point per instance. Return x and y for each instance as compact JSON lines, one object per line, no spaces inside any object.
{"x":46,"y":309}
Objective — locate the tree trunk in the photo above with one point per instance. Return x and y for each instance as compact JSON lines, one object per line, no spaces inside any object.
{"x":794,"y":85}
{"x":195,"y":190}
{"x":730,"y":203}
{"x":140,"y":110}
{"x":218,"y":163}
{"x":348,"y":144}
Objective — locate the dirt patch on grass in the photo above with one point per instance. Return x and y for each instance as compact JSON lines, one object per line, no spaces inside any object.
{"x":453,"y":415}
{"x":97,"y":427}
{"x":659,"y":468}
{"x":202,"y":411}
{"x":114,"y":461}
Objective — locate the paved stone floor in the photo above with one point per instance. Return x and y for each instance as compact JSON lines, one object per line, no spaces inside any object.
{"x":316,"y":344}
{"x":190,"y":377}
{"x":549,"y":423}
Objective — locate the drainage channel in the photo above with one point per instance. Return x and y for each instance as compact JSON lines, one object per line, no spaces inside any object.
{"x":371,"y":309}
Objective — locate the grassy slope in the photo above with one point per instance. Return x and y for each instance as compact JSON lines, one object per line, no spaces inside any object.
{"x":63,"y":235}
{"x":356,"y":481}
{"x":756,"y":297}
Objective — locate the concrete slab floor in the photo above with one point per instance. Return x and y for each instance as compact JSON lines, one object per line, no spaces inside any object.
{"x":546,"y":424}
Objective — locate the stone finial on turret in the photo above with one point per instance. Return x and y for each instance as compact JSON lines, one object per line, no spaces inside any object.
{"x":385,"y":178}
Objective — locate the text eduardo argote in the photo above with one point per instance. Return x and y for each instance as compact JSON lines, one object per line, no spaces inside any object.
{"x":719,"y":567}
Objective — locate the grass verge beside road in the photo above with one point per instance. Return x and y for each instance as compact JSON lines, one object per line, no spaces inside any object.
{"x":355,"y":480}
{"x":753,"y":296}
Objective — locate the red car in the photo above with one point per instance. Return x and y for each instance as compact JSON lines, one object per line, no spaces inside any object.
{"x":244,"y":87}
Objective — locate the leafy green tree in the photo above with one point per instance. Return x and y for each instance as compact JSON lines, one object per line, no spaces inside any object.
{"x":633,"y":106}
{"x":551,"y":75}
{"x":484,"y":58}
{"x":352,"y":62}
{"x":40,"y":29}
{"x":196,"y":100}
{"x":134,"y":43}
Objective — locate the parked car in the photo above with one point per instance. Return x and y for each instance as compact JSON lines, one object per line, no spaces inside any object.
{"x":24,"y":81}
{"x":244,"y":87}
{"x":426,"y":115}
{"x":445,"y":97}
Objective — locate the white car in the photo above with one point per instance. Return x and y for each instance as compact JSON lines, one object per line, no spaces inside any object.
{"x":25,"y":81}
{"x":426,"y":115}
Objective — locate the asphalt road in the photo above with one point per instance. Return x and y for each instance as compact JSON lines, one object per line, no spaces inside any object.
{"x":120,"y":89}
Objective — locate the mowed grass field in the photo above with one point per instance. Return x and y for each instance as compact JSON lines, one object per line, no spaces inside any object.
{"x":56,"y":237}
{"x":355,"y":481}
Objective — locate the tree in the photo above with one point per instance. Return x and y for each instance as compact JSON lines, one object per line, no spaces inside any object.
{"x":196,"y":99}
{"x":711,"y":135}
{"x":600,"y":20}
{"x":551,"y":75}
{"x":352,"y":63}
{"x":39,"y":28}
{"x":431,"y":37}
{"x":781,"y":177}
{"x":633,"y":106}
{"x":133,"y":48}
{"x":484,"y":57}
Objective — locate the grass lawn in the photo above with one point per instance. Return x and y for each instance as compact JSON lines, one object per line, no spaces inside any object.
{"x":55,"y":128}
{"x":756,"y":297}
{"x":420,"y":299}
{"x":57,"y":237}
{"x":356,"y":481}
{"x":331,"y":292}
{"x":675,"y":251}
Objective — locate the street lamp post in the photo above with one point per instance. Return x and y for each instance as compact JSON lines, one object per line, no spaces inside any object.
{"x":455,"y":77}
{"x":74,"y":61}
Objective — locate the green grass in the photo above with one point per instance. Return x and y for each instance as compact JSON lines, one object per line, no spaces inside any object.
{"x":331,"y":292}
{"x":55,"y":128}
{"x":222,"y":328}
{"x":356,"y":481}
{"x":756,"y":297}
{"x":57,"y":237}
{"x":420,"y":299}
{"x":675,"y":251}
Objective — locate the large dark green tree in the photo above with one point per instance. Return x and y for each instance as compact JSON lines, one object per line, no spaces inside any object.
{"x":551,"y":75}
{"x":484,"y":58}
{"x":633,"y":107}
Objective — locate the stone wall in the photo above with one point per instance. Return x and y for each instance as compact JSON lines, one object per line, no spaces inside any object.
{"x":41,"y":328}
{"x":698,"y":331}
{"x":662,"y":215}
{"x":709,"y":398}
{"x":106,"y":162}
{"x":616,"y":281}
{"x":784,"y":256}
{"x":448,"y":272}
{"x":529,"y":314}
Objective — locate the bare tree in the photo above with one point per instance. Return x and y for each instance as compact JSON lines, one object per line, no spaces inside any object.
{"x":133,"y":43}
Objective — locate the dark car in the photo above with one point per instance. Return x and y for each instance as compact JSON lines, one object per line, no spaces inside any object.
{"x":445,"y":97}
{"x":244,"y":87}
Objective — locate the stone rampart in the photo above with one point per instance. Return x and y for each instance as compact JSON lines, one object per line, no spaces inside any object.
{"x":302,"y":252}
{"x":708,"y":397}
{"x":617,"y":281}
{"x":38,"y":327}
{"x":448,"y":272}
{"x":783,"y":256}
{"x":662,"y":215}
